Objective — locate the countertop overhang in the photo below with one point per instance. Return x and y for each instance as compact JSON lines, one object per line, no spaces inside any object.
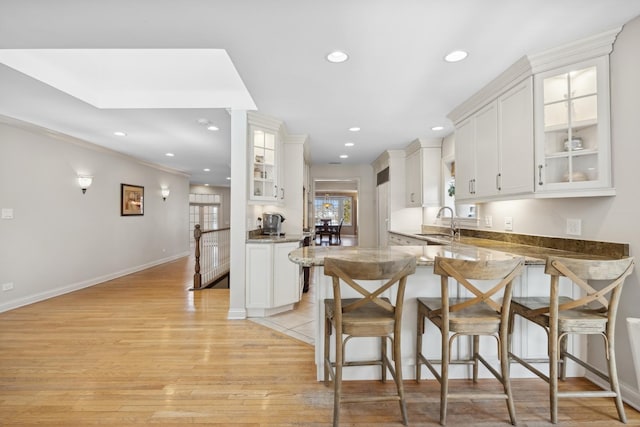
{"x":314,"y":255}
{"x":265,"y":238}
{"x":471,"y":248}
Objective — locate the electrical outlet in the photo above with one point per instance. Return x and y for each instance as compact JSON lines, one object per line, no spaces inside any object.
{"x":508,"y":223}
{"x":488,"y":221}
{"x":7,"y":286}
{"x":574,"y":226}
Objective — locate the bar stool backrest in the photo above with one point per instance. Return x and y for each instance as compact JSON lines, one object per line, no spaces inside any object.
{"x":393,"y":271}
{"x":580,"y":271}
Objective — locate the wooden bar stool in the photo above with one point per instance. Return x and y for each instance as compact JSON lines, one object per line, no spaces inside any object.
{"x":486,"y":313}
{"x":560,"y":316}
{"x":370,"y":315}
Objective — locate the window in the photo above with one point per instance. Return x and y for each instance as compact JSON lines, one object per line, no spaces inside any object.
{"x":334,"y":208}
{"x":204,"y":209}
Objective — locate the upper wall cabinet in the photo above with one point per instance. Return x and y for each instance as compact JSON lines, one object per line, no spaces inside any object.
{"x":494,"y":147}
{"x":265,"y":154}
{"x":573,"y":131}
{"x":502,"y":154}
{"x":422,"y":173}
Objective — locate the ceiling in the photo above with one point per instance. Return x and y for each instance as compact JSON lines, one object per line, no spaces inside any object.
{"x":395,"y":85}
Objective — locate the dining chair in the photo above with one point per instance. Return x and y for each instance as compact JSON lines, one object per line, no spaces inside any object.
{"x":370,"y":314}
{"x":560,"y":316}
{"x":482,"y":313}
{"x":335,"y":238}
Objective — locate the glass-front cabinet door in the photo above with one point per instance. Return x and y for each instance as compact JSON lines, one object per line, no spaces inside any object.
{"x":572,"y":128}
{"x":263,"y":184}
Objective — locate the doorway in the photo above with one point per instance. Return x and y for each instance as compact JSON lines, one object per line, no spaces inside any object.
{"x":336,"y":200}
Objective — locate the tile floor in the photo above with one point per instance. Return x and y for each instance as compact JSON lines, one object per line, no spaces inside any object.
{"x":300,"y":322}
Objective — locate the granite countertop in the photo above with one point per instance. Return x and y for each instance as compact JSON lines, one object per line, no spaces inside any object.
{"x":535,"y":251}
{"x":265,"y":238}
{"x":314,"y":255}
{"x":465,"y":247}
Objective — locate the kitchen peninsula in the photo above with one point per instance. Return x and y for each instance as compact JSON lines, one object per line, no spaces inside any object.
{"x":527,"y":340}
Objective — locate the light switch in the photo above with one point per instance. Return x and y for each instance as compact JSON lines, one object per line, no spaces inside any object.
{"x":7,"y":213}
{"x":508,"y":223}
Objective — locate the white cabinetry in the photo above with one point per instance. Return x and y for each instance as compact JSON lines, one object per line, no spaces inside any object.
{"x":494,"y":147}
{"x":273,"y":281}
{"x":265,"y":159}
{"x":465,"y":155}
{"x":403,"y":240}
{"x":573,"y":131}
{"x":422,"y":172}
{"x":501,"y":154}
{"x":515,"y":128}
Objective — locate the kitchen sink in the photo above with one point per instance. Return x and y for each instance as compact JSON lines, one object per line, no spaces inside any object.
{"x":435,"y":238}
{"x":434,"y":235}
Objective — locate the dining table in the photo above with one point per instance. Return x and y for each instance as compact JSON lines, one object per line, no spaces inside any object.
{"x":327,"y":227}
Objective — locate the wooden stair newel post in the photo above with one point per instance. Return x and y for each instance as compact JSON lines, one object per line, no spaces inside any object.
{"x":197,"y":277}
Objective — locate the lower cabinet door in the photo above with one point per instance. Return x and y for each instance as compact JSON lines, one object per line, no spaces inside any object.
{"x":286,"y":275}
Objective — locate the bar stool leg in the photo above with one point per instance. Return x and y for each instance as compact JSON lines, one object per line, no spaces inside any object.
{"x":419,"y":334}
{"x":553,"y":350}
{"x":444,"y":376}
{"x":327,"y":345}
{"x":383,"y":357}
{"x":397,"y":359}
{"x":476,"y":350}
{"x":613,"y":374}
{"x":338,"y":380}
{"x":505,"y":366}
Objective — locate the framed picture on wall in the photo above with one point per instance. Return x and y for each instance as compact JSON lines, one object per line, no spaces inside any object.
{"x":131,"y":200}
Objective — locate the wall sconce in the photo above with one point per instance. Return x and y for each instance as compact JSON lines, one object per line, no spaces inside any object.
{"x":165,"y":193}
{"x":85,"y":182}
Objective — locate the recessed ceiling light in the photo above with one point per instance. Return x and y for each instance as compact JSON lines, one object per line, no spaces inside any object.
{"x":120,"y":133}
{"x":169,"y":154}
{"x":206,"y":185}
{"x":437,"y":128}
{"x":349,"y":144}
{"x":455,"y":56}
{"x":206,"y":169}
{"x":354,"y":129}
{"x":337,"y":56}
{"x":212,"y":127}
{"x":344,"y":156}
{"x":228,"y":178}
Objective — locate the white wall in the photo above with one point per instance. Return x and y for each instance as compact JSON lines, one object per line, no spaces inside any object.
{"x":609,"y":219}
{"x":61,"y":240}
{"x":366,"y":195}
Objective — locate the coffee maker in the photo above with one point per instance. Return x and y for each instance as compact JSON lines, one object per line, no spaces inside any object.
{"x":272,"y":224}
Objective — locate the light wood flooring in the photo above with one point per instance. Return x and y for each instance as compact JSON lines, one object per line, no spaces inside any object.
{"x":144,"y":350}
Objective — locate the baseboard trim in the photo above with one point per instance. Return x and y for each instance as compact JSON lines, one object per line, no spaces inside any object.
{"x":630,"y":395}
{"x":32,"y":299}
{"x":237,"y":314}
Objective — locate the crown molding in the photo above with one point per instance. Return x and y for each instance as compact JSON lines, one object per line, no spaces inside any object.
{"x":520,"y":70}
{"x":594,"y":46}
{"x":588,"y":48}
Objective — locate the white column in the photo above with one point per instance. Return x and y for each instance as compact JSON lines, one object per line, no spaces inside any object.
{"x":237,"y":309}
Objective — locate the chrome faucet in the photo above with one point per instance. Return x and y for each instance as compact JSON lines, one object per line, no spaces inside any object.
{"x":452,"y":231}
